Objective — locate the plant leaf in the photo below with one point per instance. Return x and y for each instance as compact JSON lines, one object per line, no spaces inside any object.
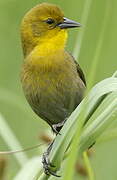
{"x":93,"y":100}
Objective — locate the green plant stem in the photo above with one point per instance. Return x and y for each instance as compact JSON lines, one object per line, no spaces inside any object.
{"x":95,"y":62}
{"x":11,"y":140}
{"x":79,"y":38}
{"x":73,"y":154}
{"x":88,"y":166}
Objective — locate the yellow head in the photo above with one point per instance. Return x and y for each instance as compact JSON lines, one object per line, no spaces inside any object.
{"x":44,"y":27}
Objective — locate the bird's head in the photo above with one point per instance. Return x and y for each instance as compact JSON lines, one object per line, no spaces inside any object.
{"x":42,"y":24}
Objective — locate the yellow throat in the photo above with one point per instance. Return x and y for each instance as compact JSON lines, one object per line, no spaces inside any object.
{"x":51,"y":43}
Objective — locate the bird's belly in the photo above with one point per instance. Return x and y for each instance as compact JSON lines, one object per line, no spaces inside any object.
{"x":53,"y":96}
{"x":55,"y":93}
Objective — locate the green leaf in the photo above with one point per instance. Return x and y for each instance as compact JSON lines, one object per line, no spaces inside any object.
{"x":10,"y":139}
{"x":30,"y":170}
{"x":101,"y":119}
{"x":97,"y":99}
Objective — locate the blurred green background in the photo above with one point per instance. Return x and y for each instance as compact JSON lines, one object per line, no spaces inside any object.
{"x":26,"y":126}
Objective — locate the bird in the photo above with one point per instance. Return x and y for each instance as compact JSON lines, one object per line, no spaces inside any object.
{"x":52,"y":81}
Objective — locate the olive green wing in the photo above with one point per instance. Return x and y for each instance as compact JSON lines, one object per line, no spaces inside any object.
{"x":80,"y":72}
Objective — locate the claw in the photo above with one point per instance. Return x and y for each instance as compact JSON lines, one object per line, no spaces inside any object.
{"x":46,"y":163}
{"x":53,"y":173}
{"x":51,"y":165}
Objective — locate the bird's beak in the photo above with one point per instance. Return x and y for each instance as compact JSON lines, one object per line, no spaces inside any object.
{"x":67,"y":23}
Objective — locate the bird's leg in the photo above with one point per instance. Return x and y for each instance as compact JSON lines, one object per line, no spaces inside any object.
{"x":45,"y":160}
{"x":57,"y":127}
{"x":46,"y":163}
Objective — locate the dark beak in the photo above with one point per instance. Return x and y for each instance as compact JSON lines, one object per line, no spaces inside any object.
{"x":67,"y":23}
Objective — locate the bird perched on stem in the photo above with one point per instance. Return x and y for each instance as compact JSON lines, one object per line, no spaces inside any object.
{"x":52,"y":80}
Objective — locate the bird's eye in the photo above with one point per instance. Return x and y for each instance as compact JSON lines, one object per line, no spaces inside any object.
{"x":49,"y":21}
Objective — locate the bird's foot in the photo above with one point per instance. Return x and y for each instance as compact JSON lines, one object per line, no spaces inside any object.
{"x":46,"y":163}
{"x":57,"y":127}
